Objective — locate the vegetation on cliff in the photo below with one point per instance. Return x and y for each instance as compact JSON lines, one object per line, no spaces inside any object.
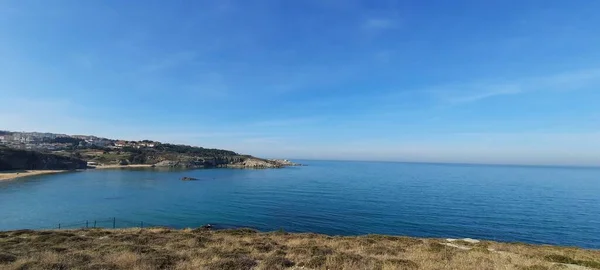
{"x":15,"y":159}
{"x":246,"y":249}
{"x":118,"y":152}
{"x":170,"y":155}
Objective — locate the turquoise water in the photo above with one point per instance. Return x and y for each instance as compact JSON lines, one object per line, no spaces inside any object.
{"x":508,"y":203}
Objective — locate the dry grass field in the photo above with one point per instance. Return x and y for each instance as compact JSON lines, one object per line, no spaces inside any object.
{"x":159,"y":248}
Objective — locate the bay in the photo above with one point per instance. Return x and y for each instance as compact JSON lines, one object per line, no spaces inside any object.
{"x":541,"y":205}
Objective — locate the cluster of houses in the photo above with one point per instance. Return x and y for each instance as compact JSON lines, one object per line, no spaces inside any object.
{"x":48,"y":141}
{"x":31,"y":140}
{"x":134,"y":144}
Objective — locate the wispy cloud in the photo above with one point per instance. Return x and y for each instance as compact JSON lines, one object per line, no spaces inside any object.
{"x":476,"y":91}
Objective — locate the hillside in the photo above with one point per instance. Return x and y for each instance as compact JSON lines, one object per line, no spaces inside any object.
{"x":103,"y":151}
{"x":247,"y":249}
{"x":15,"y":159}
{"x":175,"y":156}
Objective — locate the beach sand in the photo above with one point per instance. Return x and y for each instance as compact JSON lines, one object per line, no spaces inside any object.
{"x":10,"y":175}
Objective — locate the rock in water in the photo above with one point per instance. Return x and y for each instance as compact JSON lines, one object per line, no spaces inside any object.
{"x":188,"y":178}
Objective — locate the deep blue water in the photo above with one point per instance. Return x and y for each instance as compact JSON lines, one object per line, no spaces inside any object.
{"x":508,"y":203}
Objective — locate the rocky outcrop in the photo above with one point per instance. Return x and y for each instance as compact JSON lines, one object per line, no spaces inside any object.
{"x":15,"y":159}
{"x":167,"y":163}
{"x":285,"y":162}
{"x":225,"y":162}
{"x":252,"y":162}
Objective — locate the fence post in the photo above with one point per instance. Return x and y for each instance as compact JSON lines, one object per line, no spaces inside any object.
{"x":114,"y":222}
{"x":142,"y":224}
{"x":94,"y":224}
{"x":86,"y":224}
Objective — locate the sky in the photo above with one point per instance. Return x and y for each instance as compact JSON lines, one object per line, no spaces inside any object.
{"x":465,"y":81}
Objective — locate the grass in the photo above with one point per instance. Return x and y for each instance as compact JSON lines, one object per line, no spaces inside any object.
{"x":160,"y":248}
{"x":567,"y":260}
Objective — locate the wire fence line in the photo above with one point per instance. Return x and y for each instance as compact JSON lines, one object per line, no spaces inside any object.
{"x":113,"y":223}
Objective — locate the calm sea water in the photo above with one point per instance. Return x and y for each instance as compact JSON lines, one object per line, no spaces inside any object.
{"x":507,"y":203}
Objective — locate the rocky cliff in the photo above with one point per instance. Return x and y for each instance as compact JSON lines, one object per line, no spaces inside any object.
{"x":14,"y":159}
{"x":224,"y":162}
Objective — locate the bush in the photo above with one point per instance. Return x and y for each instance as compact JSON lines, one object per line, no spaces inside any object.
{"x":277,"y":262}
{"x":534,"y":267}
{"x":236,"y":263}
{"x":560,"y":259}
{"x":402,"y":264}
{"x":316,"y":261}
{"x":7,"y":258}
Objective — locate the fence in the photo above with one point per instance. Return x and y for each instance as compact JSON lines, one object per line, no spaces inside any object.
{"x":113,"y":223}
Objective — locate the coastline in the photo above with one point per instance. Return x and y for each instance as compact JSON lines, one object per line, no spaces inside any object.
{"x":12,"y":175}
{"x":17,"y":174}
{"x":104,"y":167}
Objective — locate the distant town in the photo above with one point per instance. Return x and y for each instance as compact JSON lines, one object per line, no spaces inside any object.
{"x":40,"y":141}
{"x":39,"y":150}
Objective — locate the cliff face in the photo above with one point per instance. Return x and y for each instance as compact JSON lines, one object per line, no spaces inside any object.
{"x":228,"y":162}
{"x":14,"y":159}
{"x":175,"y":156}
{"x":252,"y":162}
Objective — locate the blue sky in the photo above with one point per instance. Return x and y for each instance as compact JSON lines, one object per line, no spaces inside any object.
{"x":442,"y":81}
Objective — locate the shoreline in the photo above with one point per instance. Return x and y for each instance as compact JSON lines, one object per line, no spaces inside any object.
{"x":13,"y":175}
{"x":18,"y":174}
{"x":105,"y":167}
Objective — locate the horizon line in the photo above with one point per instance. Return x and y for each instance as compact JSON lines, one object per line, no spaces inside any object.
{"x":457,"y":163}
{"x":355,"y":160}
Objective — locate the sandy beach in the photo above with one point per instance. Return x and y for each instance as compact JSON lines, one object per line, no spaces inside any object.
{"x":123,"y":166}
{"x":10,"y":175}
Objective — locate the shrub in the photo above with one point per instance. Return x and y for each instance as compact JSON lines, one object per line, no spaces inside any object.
{"x":402,"y":264}
{"x":236,"y":263}
{"x":534,"y":267}
{"x":7,"y":258}
{"x":560,"y":259}
{"x":316,"y":261}
{"x":381,"y":250}
{"x":277,"y":262}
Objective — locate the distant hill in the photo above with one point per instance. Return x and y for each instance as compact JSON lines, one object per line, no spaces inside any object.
{"x":170,"y":155}
{"x":103,"y":151}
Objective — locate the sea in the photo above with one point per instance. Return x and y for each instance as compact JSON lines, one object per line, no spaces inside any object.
{"x":538,"y":205}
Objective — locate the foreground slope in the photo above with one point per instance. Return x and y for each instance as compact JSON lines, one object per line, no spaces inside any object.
{"x":248,"y":249}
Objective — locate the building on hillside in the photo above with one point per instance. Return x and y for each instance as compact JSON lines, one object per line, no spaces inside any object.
{"x":99,"y":143}
{"x":120,"y":144}
{"x":149,"y":145}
